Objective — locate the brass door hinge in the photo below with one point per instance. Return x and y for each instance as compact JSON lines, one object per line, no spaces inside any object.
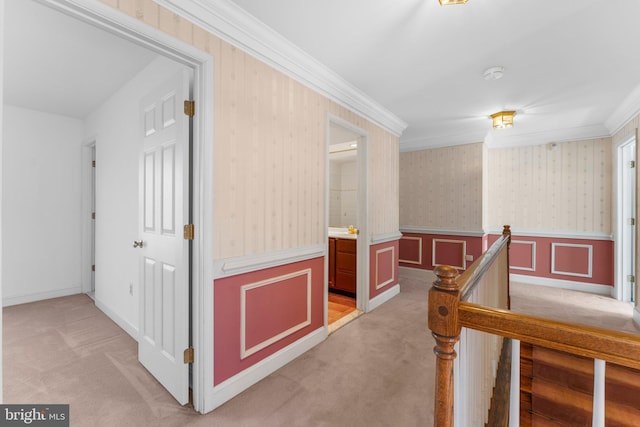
{"x":188,"y":355}
{"x":93,"y":163}
{"x":632,"y":164}
{"x":631,"y":278}
{"x":93,"y":267}
{"x":189,"y":232}
{"x":93,"y":215}
{"x":190,"y":108}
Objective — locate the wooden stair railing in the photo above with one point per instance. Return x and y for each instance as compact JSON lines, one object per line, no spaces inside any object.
{"x":558,"y":388}
{"x":449,"y":313}
{"x":445,"y":297}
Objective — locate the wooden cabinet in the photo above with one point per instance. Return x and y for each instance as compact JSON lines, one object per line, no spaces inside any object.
{"x":332,"y":262}
{"x":342,"y":265}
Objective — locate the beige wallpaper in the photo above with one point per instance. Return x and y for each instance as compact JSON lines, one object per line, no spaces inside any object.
{"x":442,"y":188}
{"x":270,"y":149}
{"x":566,"y":187}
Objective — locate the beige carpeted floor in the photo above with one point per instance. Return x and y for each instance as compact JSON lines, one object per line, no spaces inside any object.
{"x":376,"y":371}
{"x":573,"y":306}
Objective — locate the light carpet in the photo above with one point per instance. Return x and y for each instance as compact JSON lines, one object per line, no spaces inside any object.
{"x":376,"y":371}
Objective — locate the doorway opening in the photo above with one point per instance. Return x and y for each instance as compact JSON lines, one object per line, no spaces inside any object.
{"x":89,"y":212}
{"x":347,"y":249}
{"x":128,"y":31}
{"x":625,"y":280}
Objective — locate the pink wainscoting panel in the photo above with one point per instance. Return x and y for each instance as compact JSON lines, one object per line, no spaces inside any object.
{"x":274,"y":308}
{"x":411,"y":250}
{"x":522,"y":255}
{"x":577,"y":260}
{"x":574,"y":260}
{"x":383,"y":267}
{"x":446,"y":253}
{"x":449,"y":252}
{"x":259,"y":313}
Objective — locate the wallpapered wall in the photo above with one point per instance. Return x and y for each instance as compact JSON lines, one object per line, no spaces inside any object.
{"x":563,"y":187}
{"x":442,"y":188}
{"x":566,"y":187}
{"x":270,"y":149}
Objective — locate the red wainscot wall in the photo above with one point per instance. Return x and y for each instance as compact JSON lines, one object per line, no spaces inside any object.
{"x":259,"y":313}
{"x":425,"y":251}
{"x":589,"y":261}
{"x":383,"y":267}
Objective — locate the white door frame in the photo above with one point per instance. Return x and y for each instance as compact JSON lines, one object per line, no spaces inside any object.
{"x":621,"y":291}
{"x":88,"y":196}
{"x":122,"y":25}
{"x":362,"y":263}
{"x":2,"y":15}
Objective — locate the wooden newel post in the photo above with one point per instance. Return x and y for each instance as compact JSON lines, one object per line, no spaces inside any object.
{"x":506,"y":231}
{"x":444,"y":298}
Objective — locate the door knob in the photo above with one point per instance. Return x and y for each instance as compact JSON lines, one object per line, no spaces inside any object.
{"x":138,"y":244}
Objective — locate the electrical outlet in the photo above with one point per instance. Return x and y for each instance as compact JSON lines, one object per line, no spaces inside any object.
{"x":469,"y":257}
{"x":131,"y":288}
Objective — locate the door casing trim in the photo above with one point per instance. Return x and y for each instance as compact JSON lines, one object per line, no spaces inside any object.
{"x":202,"y":64}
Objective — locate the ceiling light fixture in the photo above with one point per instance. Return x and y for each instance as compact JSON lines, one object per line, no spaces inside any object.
{"x":503,"y":119}
{"x":493,"y":73}
{"x":443,"y":2}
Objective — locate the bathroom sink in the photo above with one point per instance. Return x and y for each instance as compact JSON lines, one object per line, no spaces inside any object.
{"x":341,"y":233}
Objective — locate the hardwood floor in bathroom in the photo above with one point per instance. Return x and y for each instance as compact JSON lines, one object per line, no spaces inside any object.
{"x":339,"y":306}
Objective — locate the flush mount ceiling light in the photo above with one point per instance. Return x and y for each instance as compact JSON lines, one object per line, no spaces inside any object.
{"x":443,"y":2}
{"x":503,"y":119}
{"x":493,"y":73}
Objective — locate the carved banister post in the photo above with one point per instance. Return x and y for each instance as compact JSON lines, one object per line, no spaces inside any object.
{"x":506,"y":231}
{"x":444,"y":298}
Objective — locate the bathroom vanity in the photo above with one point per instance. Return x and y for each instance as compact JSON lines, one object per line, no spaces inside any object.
{"x":342,"y":262}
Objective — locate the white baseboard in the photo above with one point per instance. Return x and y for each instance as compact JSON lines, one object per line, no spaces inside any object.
{"x":126,"y":326}
{"x":235,"y":385}
{"x":636,"y":316}
{"x":563,"y":284}
{"x":39,"y":296}
{"x":384,"y":297}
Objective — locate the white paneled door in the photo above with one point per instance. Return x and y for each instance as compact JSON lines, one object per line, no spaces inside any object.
{"x":164,"y":209}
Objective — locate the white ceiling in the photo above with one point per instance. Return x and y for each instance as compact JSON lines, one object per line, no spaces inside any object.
{"x":571,"y":67}
{"x":57,"y":64}
{"x":568,"y":64}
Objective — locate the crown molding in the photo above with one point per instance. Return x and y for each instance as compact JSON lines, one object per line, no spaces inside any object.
{"x":236,"y":26}
{"x":625,"y":112}
{"x":441,"y":141}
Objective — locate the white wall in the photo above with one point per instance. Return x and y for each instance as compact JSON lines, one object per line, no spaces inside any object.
{"x":41,"y":205}
{"x":116,"y":130}
{"x":334,"y":194}
{"x":343,"y":184}
{"x":1,"y":192}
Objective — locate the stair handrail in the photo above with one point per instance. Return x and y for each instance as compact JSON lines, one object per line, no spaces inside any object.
{"x":449,"y":312}
{"x":621,"y":348}
{"x":445,"y":297}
